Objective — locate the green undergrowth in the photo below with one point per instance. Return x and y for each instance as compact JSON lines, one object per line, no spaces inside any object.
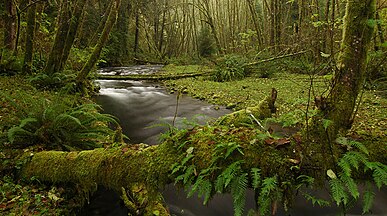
{"x":33,"y":120}
{"x":292,"y":102}
{"x":226,"y":159}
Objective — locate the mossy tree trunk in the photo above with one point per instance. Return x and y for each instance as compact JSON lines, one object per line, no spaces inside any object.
{"x":349,"y":79}
{"x":54,"y":60}
{"x":101,"y":43}
{"x":30,"y":35}
{"x":75,"y":22}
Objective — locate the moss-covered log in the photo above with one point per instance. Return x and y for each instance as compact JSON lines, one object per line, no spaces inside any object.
{"x":152,"y":77}
{"x":132,"y":167}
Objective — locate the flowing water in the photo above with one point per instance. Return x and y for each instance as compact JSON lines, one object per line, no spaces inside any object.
{"x":140,"y":106}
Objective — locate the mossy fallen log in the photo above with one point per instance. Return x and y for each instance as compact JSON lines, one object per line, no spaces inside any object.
{"x":263,"y":110}
{"x":129,"y":167}
{"x":152,"y":77}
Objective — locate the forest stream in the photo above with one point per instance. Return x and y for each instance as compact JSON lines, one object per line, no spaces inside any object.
{"x":144,"y":110}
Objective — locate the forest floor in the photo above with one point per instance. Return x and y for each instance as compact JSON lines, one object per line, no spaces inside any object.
{"x":296,"y":94}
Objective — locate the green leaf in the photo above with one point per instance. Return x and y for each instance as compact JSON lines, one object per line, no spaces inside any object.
{"x":331,"y":174}
{"x":371,"y":23}
{"x":190,"y":150}
{"x":327,"y":123}
{"x":325,"y":55}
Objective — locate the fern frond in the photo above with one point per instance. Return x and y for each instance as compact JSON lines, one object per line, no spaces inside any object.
{"x":188,"y":174}
{"x":379,"y":173}
{"x":186,"y":159}
{"x":315,"y":200}
{"x":219,"y":184}
{"x":269,"y":185}
{"x":338,"y":191}
{"x":368,"y":198}
{"x":195,"y":187}
{"x":256,"y":176}
{"x":352,"y":159}
{"x":238,"y":192}
{"x":350,"y":184}
{"x":304,"y":180}
{"x":27,"y":122}
{"x":205,"y":190}
{"x":230,"y":150}
{"x":359,"y":146}
{"x":230,"y":172}
{"x":17,"y":133}
{"x":67,"y":121}
{"x":264,"y":203}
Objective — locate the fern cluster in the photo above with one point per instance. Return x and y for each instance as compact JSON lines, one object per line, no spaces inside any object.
{"x":51,"y":81}
{"x":343,"y":186}
{"x":58,"y":126}
{"x":215,"y":178}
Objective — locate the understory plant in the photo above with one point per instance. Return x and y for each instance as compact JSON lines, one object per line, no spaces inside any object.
{"x":57,"y":124}
{"x":227,"y":172}
{"x":230,"y":67}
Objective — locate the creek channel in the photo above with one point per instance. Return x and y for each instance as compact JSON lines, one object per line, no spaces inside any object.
{"x":140,"y":106}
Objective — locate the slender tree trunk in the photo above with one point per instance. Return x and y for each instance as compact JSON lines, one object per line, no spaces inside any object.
{"x":75,"y":21}
{"x":100,"y":27}
{"x":30,"y":35}
{"x":101,"y":42}
{"x":379,"y":29}
{"x":54,"y":60}
{"x":10,"y":25}
{"x":350,"y":76}
{"x":137,"y":32}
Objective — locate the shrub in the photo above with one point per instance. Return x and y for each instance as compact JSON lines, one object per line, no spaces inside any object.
{"x":230,"y":67}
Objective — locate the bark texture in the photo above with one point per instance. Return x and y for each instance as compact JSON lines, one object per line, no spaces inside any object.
{"x":75,"y":22}
{"x":349,"y":79}
{"x":54,"y":60}
{"x":30,"y":35}
{"x":10,"y":25}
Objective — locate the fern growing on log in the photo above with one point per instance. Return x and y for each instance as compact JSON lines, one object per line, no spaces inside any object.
{"x":211,"y":180}
{"x":344,"y":186}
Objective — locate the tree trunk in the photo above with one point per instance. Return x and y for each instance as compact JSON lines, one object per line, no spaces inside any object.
{"x":30,"y":35}
{"x":54,"y":60}
{"x":350,"y":76}
{"x":75,"y":21}
{"x":101,"y":42}
{"x":10,"y":25}
{"x":137,"y":32}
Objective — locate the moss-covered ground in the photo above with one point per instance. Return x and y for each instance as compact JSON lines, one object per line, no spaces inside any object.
{"x":296,"y":94}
